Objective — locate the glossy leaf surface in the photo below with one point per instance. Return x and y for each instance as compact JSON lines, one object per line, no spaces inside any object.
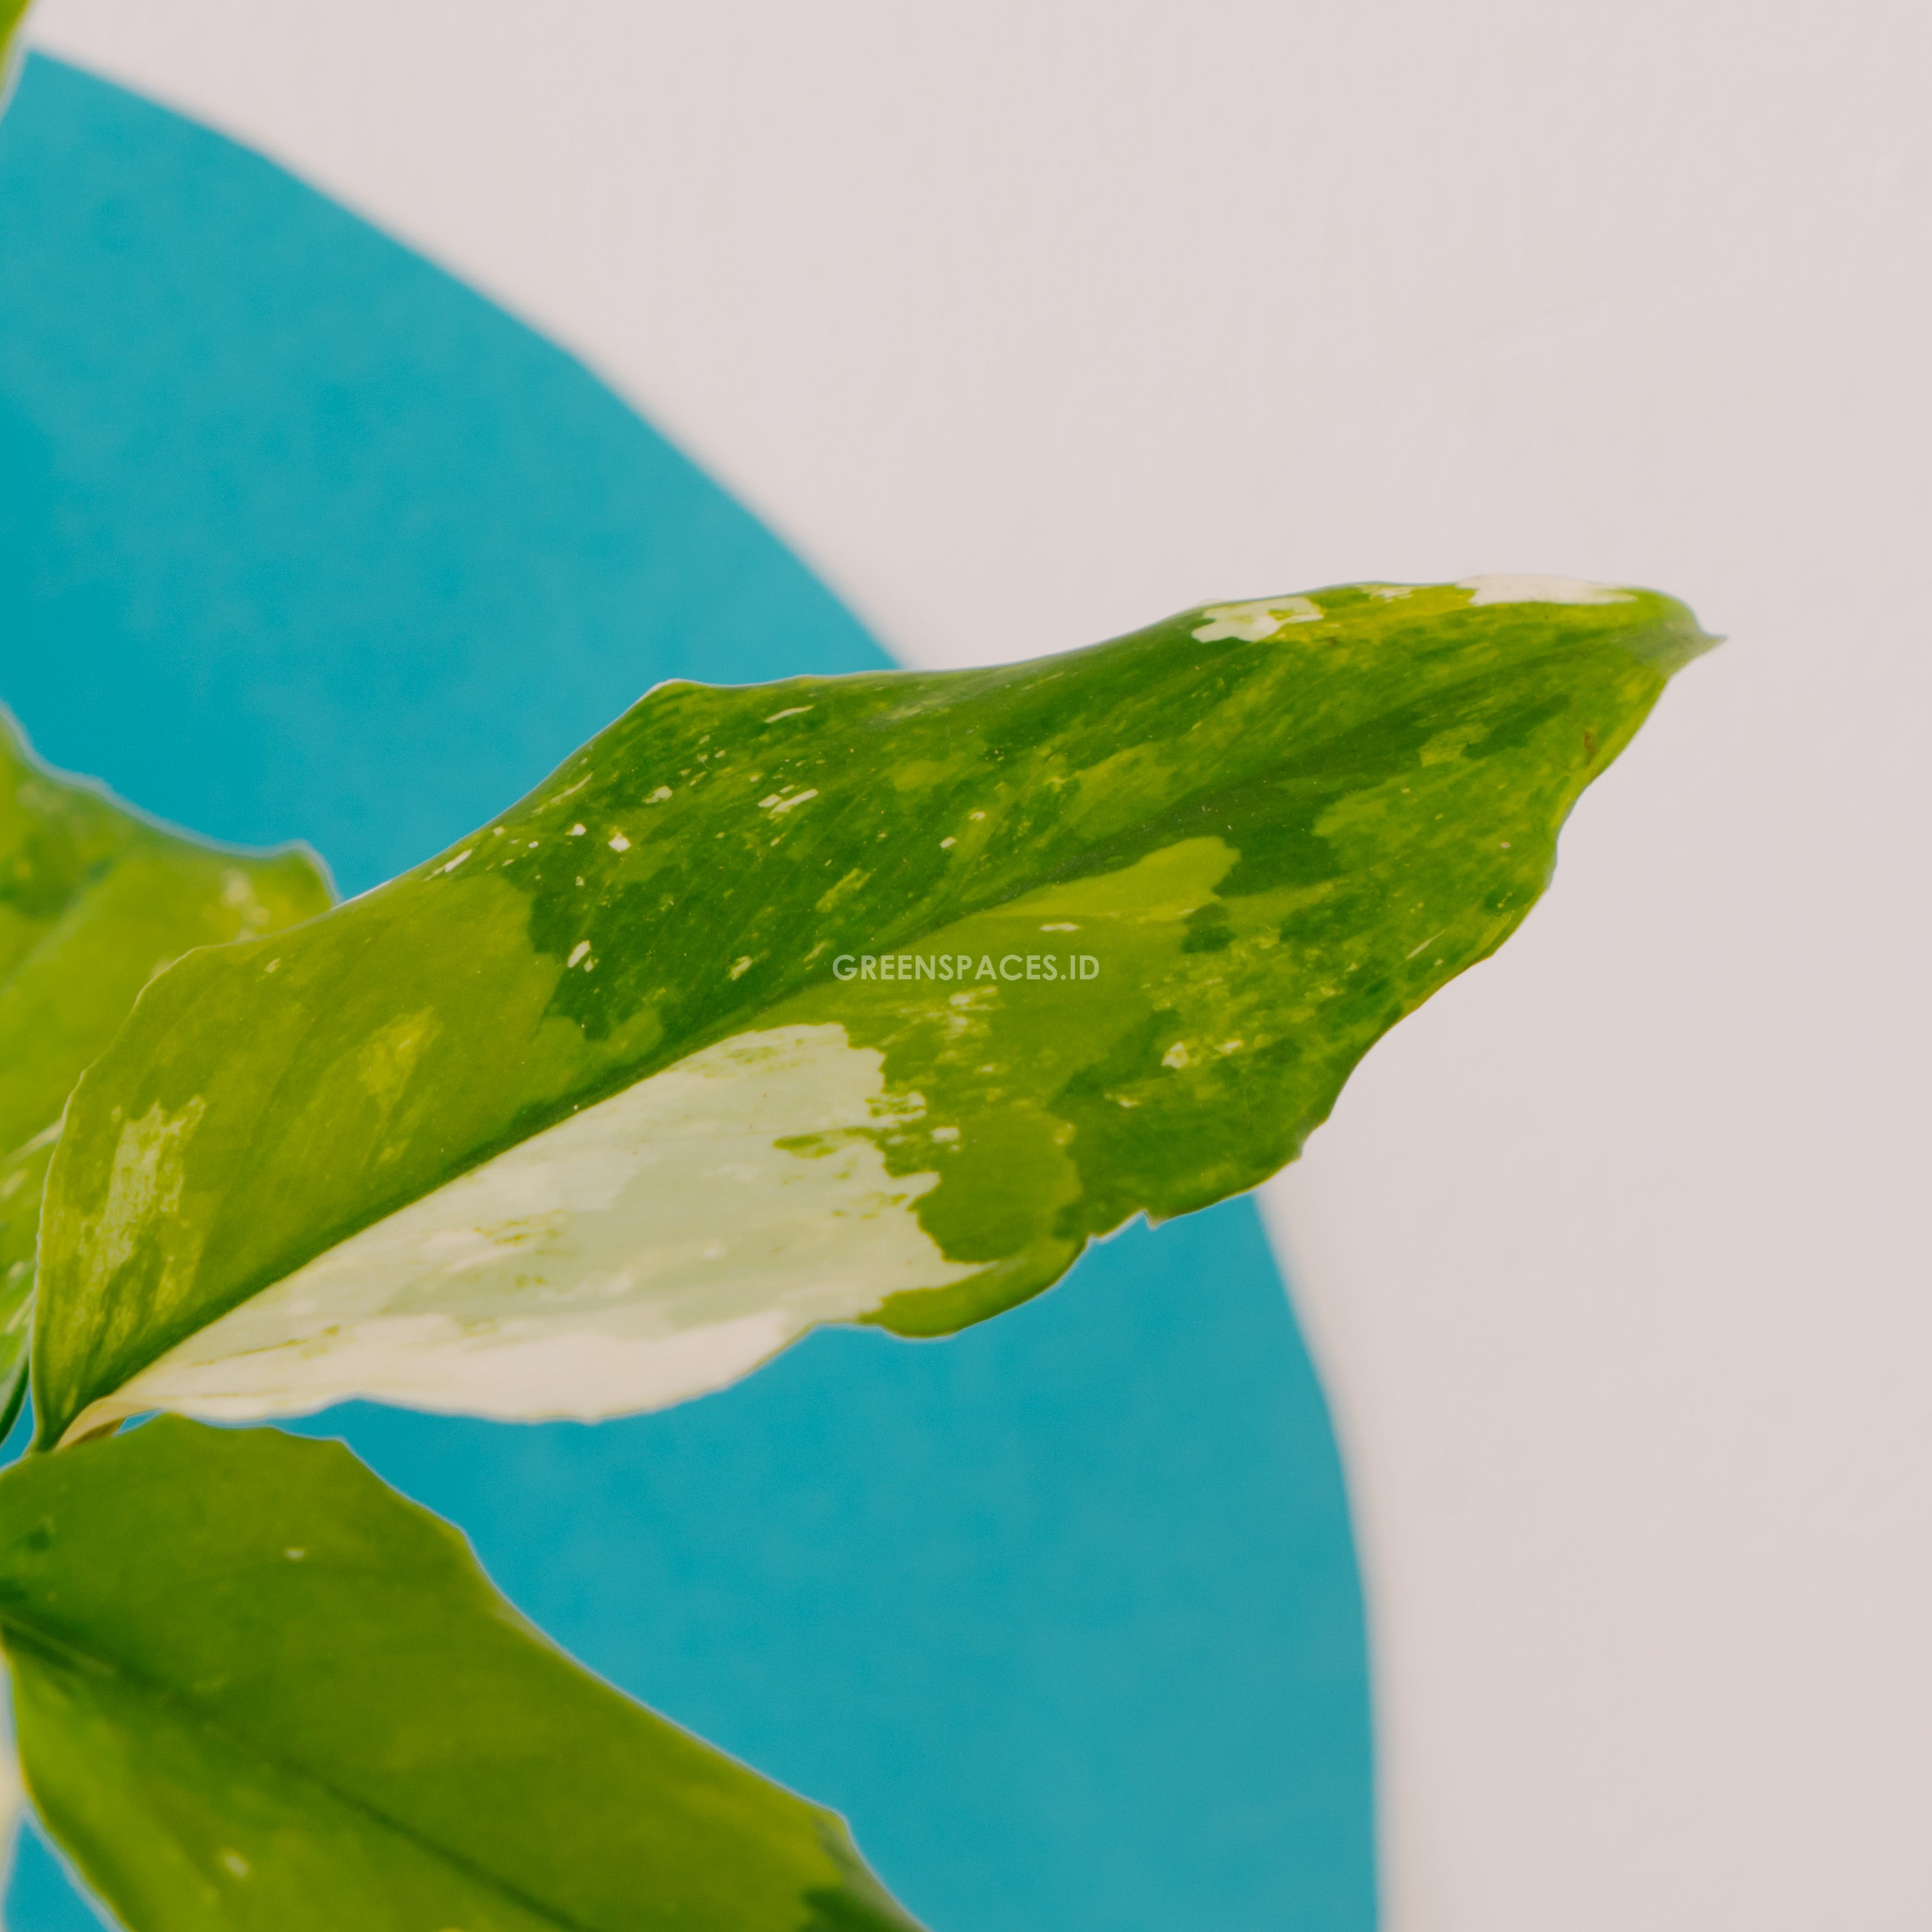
{"x":256,"y":1688}
{"x":868,"y":998}
{"x":94,"y":900}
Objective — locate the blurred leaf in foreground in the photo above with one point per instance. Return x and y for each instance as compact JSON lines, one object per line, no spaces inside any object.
{"x":256,"y":1688}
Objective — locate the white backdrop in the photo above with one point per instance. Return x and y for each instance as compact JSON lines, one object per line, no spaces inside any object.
{"x":1027,"y":323}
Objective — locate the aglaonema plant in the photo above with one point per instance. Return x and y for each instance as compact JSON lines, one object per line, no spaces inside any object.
{"x":871,"y":999}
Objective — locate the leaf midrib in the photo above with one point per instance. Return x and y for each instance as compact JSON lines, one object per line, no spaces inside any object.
{"x":63,"y":1652}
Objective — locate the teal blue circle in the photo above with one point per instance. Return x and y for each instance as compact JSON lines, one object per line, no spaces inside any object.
{"x":302,"y":538}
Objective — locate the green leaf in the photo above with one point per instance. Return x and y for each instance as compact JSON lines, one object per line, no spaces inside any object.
{"x":256,"y":1688}
{"x":583,"y":1117}
{"x":94,"y":900}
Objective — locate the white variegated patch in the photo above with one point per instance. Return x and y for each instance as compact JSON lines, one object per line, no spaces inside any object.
{"x":1539,"y":590}
{"x":659,"y":1244}
{"x":1256,"y":622}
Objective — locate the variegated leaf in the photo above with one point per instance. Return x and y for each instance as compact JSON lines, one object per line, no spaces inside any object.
{"x":870,"y":999}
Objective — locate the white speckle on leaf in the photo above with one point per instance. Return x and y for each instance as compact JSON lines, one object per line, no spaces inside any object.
{"x":1060,"y":925}
{"x":236,"y":1863}
{"x":1391,"y":591}
{"x":658,"y":796}
{"x":740,"y":967}
{"x":273,"y":966}
{"x":575,"y":832}
{"x":1176,"y":1055}
{"x":1256,"y":621}
{"x":578,"y":952}
{"x":975,"y":814}
{"x":946,"y":844}
{"x":1539,"y":590}
{"x":775,"y":804}
{"x":946,"y":1133}
{"x":295,"y":1553}
{"x":1430,"y":941}
{"x":458,"y":859}
{"x":796,"y":711}
{"x":619,"y":843}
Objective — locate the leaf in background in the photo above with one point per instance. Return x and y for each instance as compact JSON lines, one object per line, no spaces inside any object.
{"x":94,"y":900}
{"x":13,"y":46}
{"x":256,"y":1688}
{"x":583,"y":1117}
